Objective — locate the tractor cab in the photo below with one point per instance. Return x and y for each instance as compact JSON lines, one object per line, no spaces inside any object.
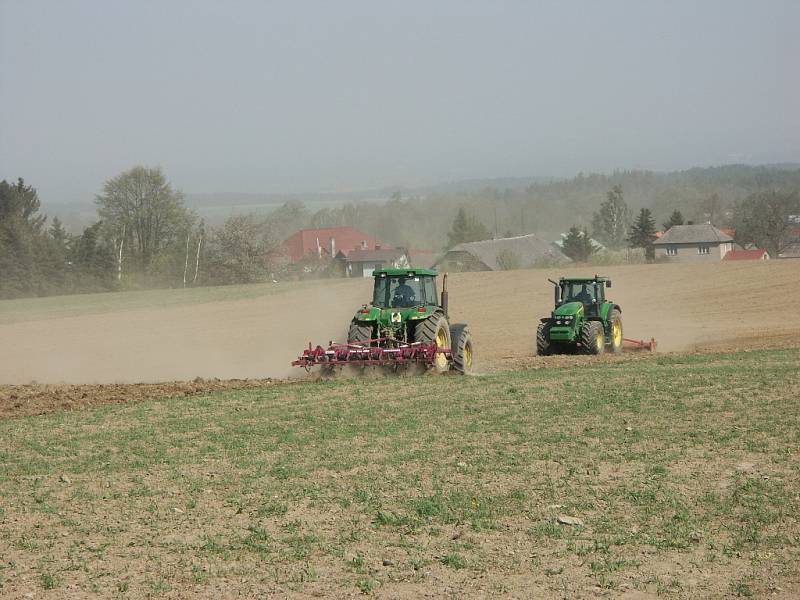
{"x":404,"y":288}
{"x":582,"y":291}
{"x":591,"y":293}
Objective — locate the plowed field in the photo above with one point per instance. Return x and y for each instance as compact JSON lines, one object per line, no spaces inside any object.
{"x":253,"y":332}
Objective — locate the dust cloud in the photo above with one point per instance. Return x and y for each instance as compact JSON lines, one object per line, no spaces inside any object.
{"x":249,"y":338}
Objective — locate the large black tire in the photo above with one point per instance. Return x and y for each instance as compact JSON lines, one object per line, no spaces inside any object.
{"x":359,"y":333}
{"x":614,"y":317}
{"x":592,"y":338}
{"x":543,"y":347}
{"x":435,"y":329}
{"x":462,"y":348}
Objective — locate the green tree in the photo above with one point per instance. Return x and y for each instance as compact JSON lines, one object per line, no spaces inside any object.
{"x":466,"y":228}
{"x":610,"y":224}
{"x":92,"y":263}
{"x":578,"y":245}
{"x":22,"y":241}
{"x":242,"y":251}
{"x":144,"y":214}
{"x":643,"y":233}
{"x":763,"y":219}
{"x":57,"y":232}
{"x":676,"y":218}
{"x":713,"y":209}
{"x":288,"y":218}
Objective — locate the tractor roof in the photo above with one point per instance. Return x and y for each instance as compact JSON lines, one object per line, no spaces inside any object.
{"x":410,"y":272}
{"x":596,"y":278}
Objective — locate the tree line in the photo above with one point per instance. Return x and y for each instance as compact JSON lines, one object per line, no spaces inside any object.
{"x":145,"y":236}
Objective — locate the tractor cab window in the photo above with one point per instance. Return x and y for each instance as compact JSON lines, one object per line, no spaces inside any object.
{"x":397,"y":292}
{"x":429,"y":286}
{"x":584,"y":292}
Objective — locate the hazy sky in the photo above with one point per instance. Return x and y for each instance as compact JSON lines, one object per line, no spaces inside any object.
{"x":306,"y":96}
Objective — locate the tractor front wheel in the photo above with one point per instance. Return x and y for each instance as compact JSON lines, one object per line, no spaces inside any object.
{"x":359,"y":334}
{"x":543,"y":347}
{"x":592,"y":338}
{"x":462,"y":348}
{"x":435,"y":329}
{"x":615,"y":331}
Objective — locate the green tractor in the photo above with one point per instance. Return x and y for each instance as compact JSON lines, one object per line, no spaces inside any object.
{"x":583,"y":320}
{"x":407,"y":313}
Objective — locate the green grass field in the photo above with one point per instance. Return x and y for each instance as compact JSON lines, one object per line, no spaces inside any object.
{"x":683,"y":471}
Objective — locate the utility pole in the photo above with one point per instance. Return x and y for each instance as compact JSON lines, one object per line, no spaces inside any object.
{"x":186,"y":263}
{"x":119,"y":254}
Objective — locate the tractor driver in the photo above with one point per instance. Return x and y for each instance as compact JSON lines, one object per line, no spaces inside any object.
{"x":404,"y":295}
{"x":584,"y":295}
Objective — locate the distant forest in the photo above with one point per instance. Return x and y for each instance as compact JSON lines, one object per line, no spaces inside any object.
{"x":701,"y":195}
{"x":144,"y":235}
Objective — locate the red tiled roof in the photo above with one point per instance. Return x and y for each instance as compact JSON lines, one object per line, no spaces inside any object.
{"x":729,"y":231}
{"x":346,"y":239}
{"x":754,"y":254}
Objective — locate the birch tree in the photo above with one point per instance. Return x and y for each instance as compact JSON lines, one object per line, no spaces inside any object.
{"x":143,"y":204}
{"x":610,"y":224}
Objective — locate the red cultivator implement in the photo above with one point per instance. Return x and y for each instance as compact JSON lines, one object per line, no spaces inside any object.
{"x":385,"y":352}
{"x":641,"y":344}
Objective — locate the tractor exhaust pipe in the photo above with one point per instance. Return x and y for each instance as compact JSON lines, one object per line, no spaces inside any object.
{"x":445,"y":296}
{"x":556,"y":292}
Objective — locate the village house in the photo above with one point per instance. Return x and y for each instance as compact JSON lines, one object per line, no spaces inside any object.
{"x":692,"y":243}
{"x":362,"y":263}
{"x":327,"y":242}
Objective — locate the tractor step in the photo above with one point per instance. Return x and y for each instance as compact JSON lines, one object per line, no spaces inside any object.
{"x":371,"y":353}
{"x":641,"y":344}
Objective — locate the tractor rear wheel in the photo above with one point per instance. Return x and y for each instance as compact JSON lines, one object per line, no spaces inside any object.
{"x":462,"y":348}
{"x":615,"y":330}
{"x":592,"y":338}
{"x":358,"y":333}
{"x":543,"y":347}
{"x":435,"y":329}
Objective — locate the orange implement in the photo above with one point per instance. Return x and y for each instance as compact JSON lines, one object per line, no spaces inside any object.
{"x":641,"y":344}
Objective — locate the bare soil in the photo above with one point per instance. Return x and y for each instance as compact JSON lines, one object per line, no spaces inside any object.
{"x":40,"y":398}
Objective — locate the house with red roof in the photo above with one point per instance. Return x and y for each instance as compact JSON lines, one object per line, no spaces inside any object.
{"x":752,"y":254}
{"x":330,"y":242}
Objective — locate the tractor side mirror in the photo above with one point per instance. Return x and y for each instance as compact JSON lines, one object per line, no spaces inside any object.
{"x":608,"y":283}
{"x":556,"y":292}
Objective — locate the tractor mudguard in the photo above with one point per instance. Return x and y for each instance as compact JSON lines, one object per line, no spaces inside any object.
{"x":606,"y":309}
